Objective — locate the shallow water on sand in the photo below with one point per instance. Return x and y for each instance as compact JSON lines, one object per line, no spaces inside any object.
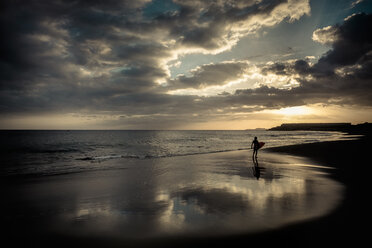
{"x":198,"y":195}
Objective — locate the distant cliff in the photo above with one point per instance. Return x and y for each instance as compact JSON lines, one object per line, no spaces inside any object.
{"x":342,"y":127}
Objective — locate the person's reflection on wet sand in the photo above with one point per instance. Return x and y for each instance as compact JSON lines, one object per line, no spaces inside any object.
{"x":256,"y":169}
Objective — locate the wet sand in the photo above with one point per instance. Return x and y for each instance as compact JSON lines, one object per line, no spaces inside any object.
{"x":347,"y":225}
{"x":220,"y":199}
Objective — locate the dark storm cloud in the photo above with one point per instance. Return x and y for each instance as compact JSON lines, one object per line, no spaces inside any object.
{"x":300,"y":66}
{"x":109,"y":57}
{"x":353,"y":41}
{"x":42,"y":38}
{"x":339,"y":77}
{"x":342,"y":75}
{"x":279,"y":68}
{"x":212,"y":22}
{"x":71,"y":56}
{"x":210,"y":74}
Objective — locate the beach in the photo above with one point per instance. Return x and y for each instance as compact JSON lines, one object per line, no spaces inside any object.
{"x":305,"y":195}
{"x":137,"y":124}
{"x":345,"y":225}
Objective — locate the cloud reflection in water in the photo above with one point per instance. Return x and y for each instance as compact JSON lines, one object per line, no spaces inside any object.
{"x":210,"y":194}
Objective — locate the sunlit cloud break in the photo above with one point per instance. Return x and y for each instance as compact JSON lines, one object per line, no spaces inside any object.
{"x":109,"y":64}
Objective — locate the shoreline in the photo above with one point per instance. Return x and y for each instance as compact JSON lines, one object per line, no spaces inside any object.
{"x":345,"y":225}
{"x":339,"y":154}
{"x":340,"y":226}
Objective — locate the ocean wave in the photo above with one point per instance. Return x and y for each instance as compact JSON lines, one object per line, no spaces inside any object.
{"x":51,"y":152}
{"x":41,"y":150}
{"x":55,"y":172}
{"x":152,"y":156}
{"x":61,"y":169}
{"x":106,"y":157}
{"x":68,"y":150}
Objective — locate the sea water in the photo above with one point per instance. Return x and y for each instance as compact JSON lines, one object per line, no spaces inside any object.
{"x":144,"y":184}
{"x":60,"y":152}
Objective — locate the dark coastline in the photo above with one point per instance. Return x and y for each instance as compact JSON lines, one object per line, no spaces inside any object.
{"x":344,"y":226}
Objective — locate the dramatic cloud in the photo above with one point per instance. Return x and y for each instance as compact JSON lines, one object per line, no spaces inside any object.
{"x":114,"y":58}
{"x":353,"y":4}
{"x":210,"y":74}
{"x":343,"y":74}
{"x":352,"y":44}
{"x":65,"y":55}
{"x":327,"y":35}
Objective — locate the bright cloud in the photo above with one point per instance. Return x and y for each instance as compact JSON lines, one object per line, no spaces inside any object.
{"x":114,"y":58}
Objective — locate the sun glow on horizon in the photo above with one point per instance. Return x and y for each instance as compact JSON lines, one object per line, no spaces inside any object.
{"x":294,"y":111}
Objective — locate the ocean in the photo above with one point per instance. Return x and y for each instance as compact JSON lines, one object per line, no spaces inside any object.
{"x":133,"y":186}
{"x":44,"y":152}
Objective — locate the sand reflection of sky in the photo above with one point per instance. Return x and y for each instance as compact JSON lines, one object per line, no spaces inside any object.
{"x":229,"y":202}
{"x":201,"y":195}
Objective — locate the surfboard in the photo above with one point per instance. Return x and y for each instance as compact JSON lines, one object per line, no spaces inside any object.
{"x":260,"y":144}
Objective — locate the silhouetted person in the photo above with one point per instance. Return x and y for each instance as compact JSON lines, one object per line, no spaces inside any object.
{"x":255,"y":145}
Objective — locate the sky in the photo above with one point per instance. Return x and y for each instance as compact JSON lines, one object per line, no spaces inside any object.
{"x":184,"y":64}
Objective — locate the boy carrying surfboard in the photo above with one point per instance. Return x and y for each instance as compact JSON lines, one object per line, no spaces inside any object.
{"x":256,"y":145}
